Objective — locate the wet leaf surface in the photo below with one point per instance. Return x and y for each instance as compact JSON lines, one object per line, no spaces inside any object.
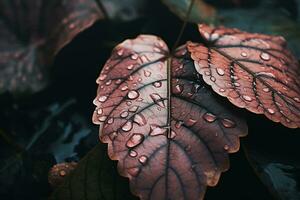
{"x":32,"y":32}
{"x":95,"y":177}
{"x":169,"y":133}
{"x":254,"y":71}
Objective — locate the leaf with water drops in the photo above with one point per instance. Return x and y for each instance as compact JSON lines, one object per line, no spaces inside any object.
{"x":254,"y":71}
{"x":168,"y":131}
{"x":32,"y":32}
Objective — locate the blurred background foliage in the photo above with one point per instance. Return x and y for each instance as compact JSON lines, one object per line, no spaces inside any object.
{"x":51,"y":53}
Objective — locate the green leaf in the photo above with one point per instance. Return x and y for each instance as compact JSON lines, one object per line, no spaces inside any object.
{"x":94,"y":178}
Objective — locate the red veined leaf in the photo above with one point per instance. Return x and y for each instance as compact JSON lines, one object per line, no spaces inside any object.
{"x":254,"y":71}
{"x":169,"y":133}
{"x":32,"y":32}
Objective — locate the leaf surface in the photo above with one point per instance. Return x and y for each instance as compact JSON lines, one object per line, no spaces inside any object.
{"x":170,"y":134}
{"x":254,"y":71}
{"x":32,"y":32}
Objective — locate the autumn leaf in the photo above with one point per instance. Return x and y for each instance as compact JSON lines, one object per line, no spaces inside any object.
{"x":168,"y":131}
{"x":32,"y":32}
{"x":254,"y":71}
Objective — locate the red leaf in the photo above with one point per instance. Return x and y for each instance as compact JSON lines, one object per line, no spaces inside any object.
{"x":254,"y":71}
{"x":32,"y":32}
{"x":169,"y":133}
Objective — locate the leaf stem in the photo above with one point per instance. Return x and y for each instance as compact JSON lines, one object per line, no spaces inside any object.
{"x":183,"y":26}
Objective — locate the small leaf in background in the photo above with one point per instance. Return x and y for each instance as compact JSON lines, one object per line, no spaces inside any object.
{"x":201,"y":11}
{"x":125,"y":10}
{"x":254,"y":71}
{"x":59,"y":171}
{"x":32,"y":32}
{"x":169,"y":133}
{"x":94,"y":178}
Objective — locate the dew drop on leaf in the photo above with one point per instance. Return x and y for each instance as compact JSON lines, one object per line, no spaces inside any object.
{"x":133,"y":94}
{"x":143,"y":159}
{"x":133,"y":153}
{"x":127,"y":126}
{"x":135,"y":140}
{"x":227,"y":123}
{"x":209,"y":117}
{"x":102,"y":98}
{"x":156,"y":98}
{"x":265,"y":56}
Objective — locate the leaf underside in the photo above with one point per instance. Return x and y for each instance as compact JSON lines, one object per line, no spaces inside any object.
{"x":254,"y":71}
{"x":168,"y":131}
{"x":32,"y":32}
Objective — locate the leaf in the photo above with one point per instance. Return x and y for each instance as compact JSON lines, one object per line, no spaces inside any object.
{"x":254,"y":71}
{"x":94,"y":178}
{"x":201,"y":11}
{"x":32,"y":32}
{"x":169,"y":133}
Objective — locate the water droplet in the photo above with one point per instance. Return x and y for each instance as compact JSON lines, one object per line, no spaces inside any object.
{"x":226,"y":147}
{"x":134,"y":56}
{"x":133,"y":171}
{"x":172,"y":134}
{"x":110,"y":120}
{"x":244,"y":54}
{"x":287,"y":120}
{"x":140,"y":80}
{"x":178,"y":89}
{"x":271,"y":111}
{"x":161,"y":43}
{"x":247,"y":98}
{"x":129,"y":78}
{"x":209,"y":117}
{"x":156,"y":130}
{"x":220,"y":71}
{"x":147,"y":73}
{"x":133,"y":108}
{"x":118,"y":81}
{"x":222,"y":90}
{"x":266,"y":74}
{"x":140,"y":119}
{"x":62,"y":173}
{"x":133,"y":153}
{"x":266,"y":89}
{"x":102,"y":77}
{"x":133,"y":94}
{"x":102,"y":118}
{"x":157,"y":84}
{"x":236,"y":84}
{"x":156,"y":98}
{"x":127,"y":126}
{"x":102,"y":98}
{"x":143,"y":159}
{"x":207,"y":73}
{"x":120,"y":52}
{"x":212,"y":78}
{"x":227,"y":123}
{"x":144,"y":59}
{"x":297,"y":99}
{"x":234,"y":77}
{"x":135,"y":140}
{"x":128,"y":103}
{"x":99,"y":111}
{"x":124,"y":114}
{"x":191,"y":122}
{"x":108,"y":82}
{"x":130,"y":67}
{"x":178,"y":124}
{"x":125,"y":87}
{"x":265,"y":56}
